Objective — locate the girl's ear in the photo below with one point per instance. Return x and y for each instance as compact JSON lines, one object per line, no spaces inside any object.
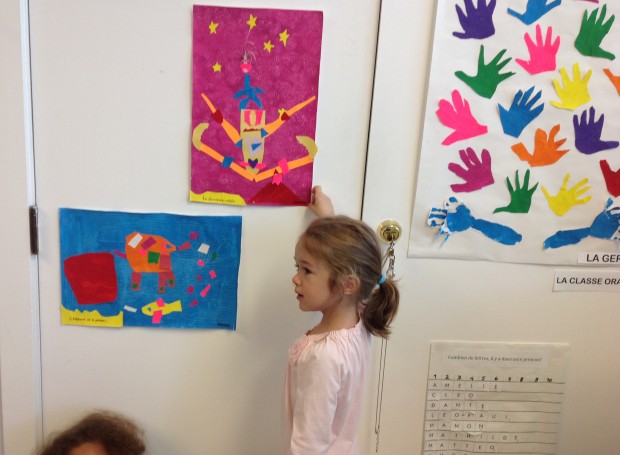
{"x":350,"y":284}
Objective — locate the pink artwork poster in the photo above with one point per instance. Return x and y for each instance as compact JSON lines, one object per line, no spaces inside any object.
{"x":255,"y":97}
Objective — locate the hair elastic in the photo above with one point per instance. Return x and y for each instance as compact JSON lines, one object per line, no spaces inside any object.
{"x":381,"y":280}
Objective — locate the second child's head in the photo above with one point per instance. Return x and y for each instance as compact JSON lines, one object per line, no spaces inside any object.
{"x":350,"y":248}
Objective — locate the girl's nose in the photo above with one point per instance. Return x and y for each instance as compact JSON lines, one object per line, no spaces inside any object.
{"x":295,"y":279}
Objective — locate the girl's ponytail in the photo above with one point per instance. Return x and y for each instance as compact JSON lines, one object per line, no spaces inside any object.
{"x":380,"y":308}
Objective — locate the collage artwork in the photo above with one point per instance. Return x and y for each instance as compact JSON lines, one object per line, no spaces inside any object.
{"x":149,"y":270}
{"x":520,"y":154}
{"x":254,"y":107}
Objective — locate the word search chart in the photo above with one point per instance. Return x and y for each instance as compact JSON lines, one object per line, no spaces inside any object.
{"x":494,"y":398}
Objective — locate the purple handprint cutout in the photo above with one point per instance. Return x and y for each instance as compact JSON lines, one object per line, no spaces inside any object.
{"x":588,"y":133}
{"x":477,"y":22}
{"x":476,"y":173}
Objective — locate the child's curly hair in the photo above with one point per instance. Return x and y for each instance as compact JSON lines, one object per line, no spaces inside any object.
{"x":116,"y":434}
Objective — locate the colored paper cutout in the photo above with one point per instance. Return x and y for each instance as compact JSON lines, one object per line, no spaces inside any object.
{"x":612,"y":178}
{"x":615,"y":80}
{"x":477,"y":22}
{"x":520,"y":195}
{"x":488,"y":77}
{"x":534,"y":10}
{"x":476,"y":171}
{"x":521,"y":112}
{"x":542,"y":53}
{"x":572,"y":93}
{"x":566,"y":198}
{"x":546,"y":148}
{"x":92,"y":277}
{"x":153,"y":282}
{"x":232,"y":164}
{"x":588,"y":133}
{"x":457,"y":116}
{"x":592,"y":32}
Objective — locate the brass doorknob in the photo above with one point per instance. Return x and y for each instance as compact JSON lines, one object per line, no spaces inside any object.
{"x":389,"y":230}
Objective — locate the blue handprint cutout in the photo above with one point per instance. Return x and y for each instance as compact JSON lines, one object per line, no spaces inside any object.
{"x":606,"y":226}
{"x":534,"y":10}
{"x":521,"y":112}
{"x":477,"y":22}
{"x":456,"y":217}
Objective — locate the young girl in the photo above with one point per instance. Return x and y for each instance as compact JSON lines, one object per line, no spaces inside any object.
{"x":339,"y":273}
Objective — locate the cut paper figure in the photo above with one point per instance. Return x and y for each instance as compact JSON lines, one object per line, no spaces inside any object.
{"x":521,"y":112}
{"x":456,"y":217}
{"x":573,"y":93}
{"x":476,"y":171}
{"x":92,"y":277}
{"x":612,"y":178}
{"x":457,"y":116}
{"x":546,"y":148}
{"x":488,"y":77}
{"x":615,"y":80}
{"x":605,"y":226}
{"x":588,"y":133}
{"x":267,"y":89}
{"x":542,"y":53}
{"x":567,"y":198}
{"x":150,"y":254}
{"x":592,"y":32}
{"x":477,"y":22}
{"x":159,"y":309}
{"x":534,"y":10}
{"x":520,"y":196}
{"x":127,"y":264}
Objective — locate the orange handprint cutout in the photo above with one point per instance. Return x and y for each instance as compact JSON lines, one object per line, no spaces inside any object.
{"x":546,"y":148}
{"x":615,"y":80}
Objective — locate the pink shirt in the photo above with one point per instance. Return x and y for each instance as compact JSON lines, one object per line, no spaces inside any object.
{"x":324,"y":386}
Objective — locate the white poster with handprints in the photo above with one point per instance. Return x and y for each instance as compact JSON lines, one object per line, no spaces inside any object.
{"x":520,"y":156}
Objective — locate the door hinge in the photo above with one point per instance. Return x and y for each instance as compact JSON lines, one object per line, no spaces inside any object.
{"x":34,"y":229}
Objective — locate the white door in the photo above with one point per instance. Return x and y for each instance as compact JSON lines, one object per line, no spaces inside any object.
{"x":111,"y":94}
{"x":19,"y":332}
{"x":470,"y":300}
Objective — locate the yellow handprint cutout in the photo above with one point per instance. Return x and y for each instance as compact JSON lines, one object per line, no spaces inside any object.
{"x":566,"y":199}
{"x":573,"y":93}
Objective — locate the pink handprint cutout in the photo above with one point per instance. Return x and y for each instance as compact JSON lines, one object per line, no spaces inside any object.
{"x":457,"y":116}
{"x":542,"y":54}
{"x":476,"y":173}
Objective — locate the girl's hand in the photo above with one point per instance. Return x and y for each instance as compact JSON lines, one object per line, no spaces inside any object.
{"x":320,"y":204}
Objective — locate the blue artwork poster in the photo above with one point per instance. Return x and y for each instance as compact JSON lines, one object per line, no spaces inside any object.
{"x":149,"y":270}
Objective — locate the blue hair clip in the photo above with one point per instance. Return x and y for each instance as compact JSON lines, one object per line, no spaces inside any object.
{"x":381,"y":280}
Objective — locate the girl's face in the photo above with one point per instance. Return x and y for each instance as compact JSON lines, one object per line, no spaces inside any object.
{"x":312,"y":282}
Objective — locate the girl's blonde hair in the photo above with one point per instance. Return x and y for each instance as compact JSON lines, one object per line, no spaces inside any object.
{"x":350,"y":247}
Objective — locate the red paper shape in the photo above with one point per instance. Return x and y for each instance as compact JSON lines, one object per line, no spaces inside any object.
{"x":92,"y":277}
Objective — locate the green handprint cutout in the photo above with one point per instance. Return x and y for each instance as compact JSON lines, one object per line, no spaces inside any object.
{"x":520,"y":196}
{"x":592,"y":32}
{"x":485,"y":82}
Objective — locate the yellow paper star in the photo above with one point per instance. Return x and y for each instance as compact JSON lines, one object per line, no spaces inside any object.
{"x":217,"y":68}
{"x":251,"y":22}
{"x":213,"y":27}
{"x":280,"y":112}
{"x":284,"y":36}
{"x":268,"y":46}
